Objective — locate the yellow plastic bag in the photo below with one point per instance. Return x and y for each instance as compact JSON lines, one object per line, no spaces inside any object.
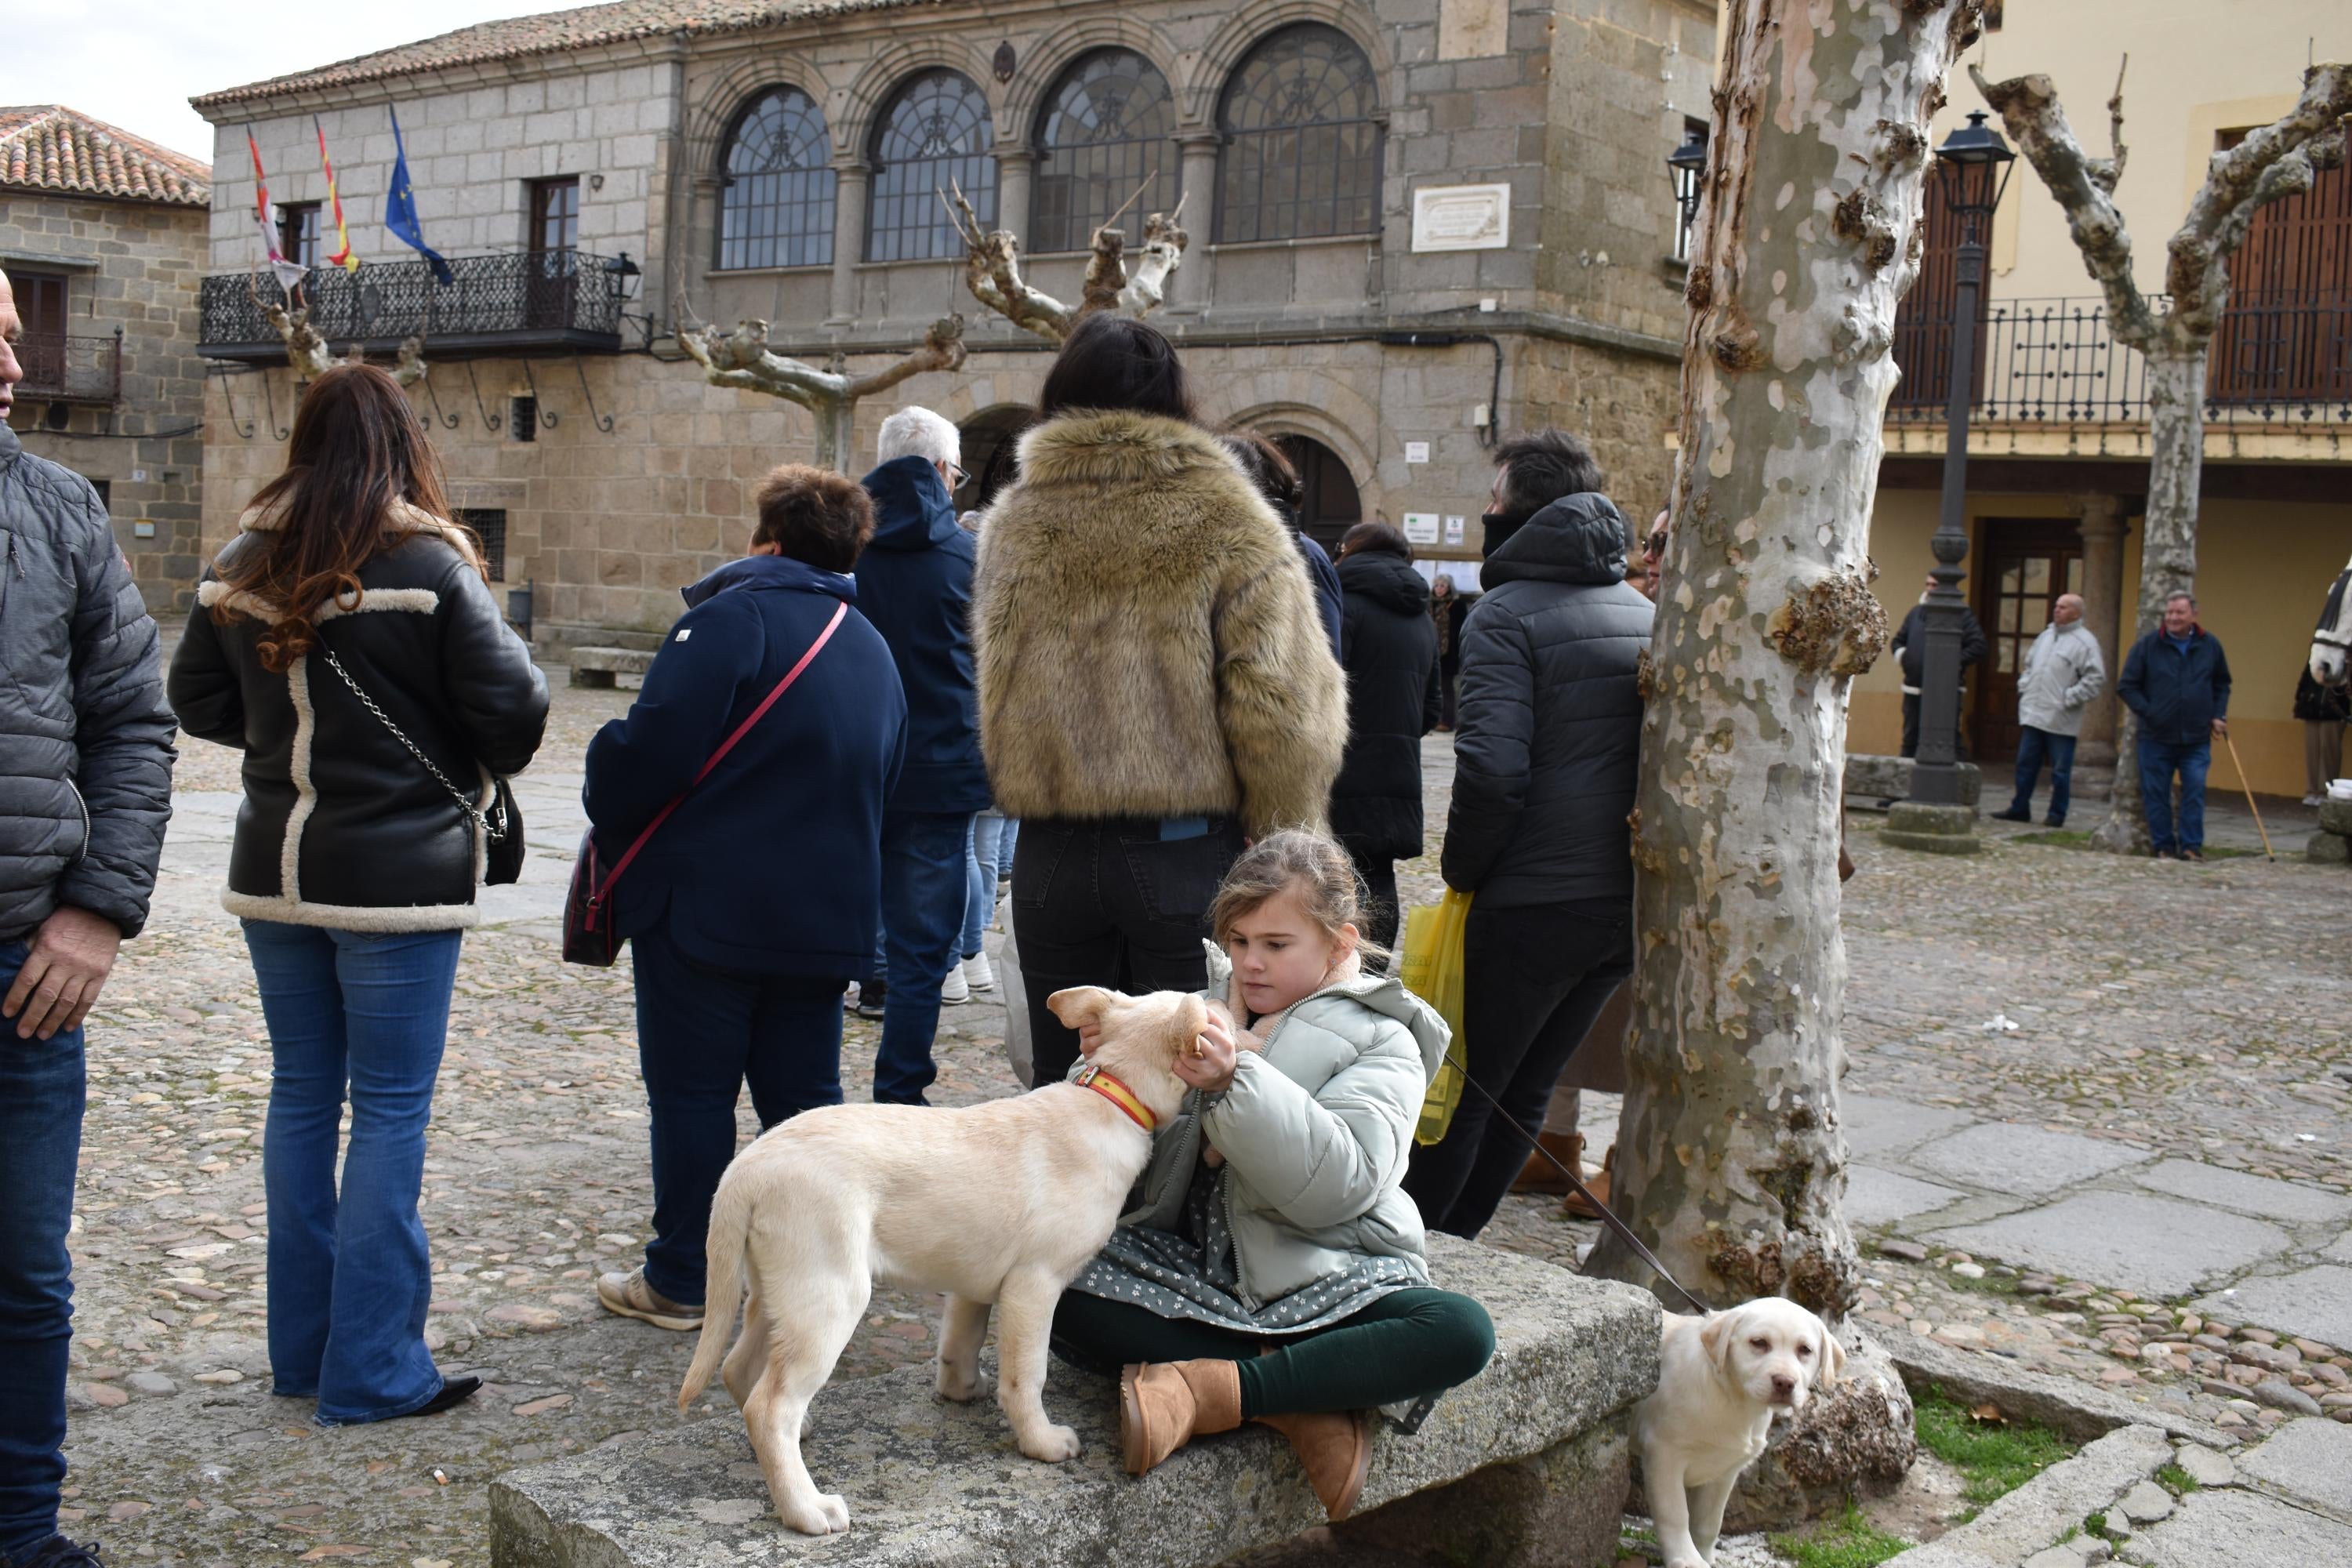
{"x":1430,"y":968}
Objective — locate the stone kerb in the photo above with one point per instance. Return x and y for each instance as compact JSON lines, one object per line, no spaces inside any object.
{"x":929,"y":1483}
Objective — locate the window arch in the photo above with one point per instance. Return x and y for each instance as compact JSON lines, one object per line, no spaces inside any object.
{"x":1301,"y":140}
{"x":934,"y":133}
{"x":776,"y":193}
{"x":1107,"y":125}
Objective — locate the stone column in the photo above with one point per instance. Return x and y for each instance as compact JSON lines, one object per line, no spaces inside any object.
{"x":849,"y":237}
{"x":2102,"y":601}
{"x":1015,"y":165}
{"x":1199,"y":193}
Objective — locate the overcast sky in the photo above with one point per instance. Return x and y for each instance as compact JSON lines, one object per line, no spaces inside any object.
{"x":136,"y":63}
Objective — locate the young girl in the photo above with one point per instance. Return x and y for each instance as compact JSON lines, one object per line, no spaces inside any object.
{"x":1273,"y":1271}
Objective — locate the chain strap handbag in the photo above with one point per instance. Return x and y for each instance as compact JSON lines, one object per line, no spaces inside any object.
{"x":590,"y":933}
{"x":500,"y":826}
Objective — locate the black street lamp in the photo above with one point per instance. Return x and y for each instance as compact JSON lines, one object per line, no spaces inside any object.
{"x":1973,"y":169}
{"x":1686,"y":165}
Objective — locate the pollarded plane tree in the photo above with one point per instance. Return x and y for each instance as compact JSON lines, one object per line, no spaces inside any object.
{"x":2175,"y":331}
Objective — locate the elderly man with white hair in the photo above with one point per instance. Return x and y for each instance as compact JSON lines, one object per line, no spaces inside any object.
{"x":2062,"y":673}
{"x":914,"y":582}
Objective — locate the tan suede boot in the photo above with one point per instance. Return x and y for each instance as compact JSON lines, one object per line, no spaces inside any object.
{"x":1335,"y":1447}
{"x":1166,"y":1405}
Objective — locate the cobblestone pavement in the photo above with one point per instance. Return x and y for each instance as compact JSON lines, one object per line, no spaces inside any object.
{"x":2166,"y":1012}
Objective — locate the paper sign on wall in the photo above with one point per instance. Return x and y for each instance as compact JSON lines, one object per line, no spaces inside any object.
{"x":1416,"y":452}
{"x":1421,"y":527}
{"x":1456,"y":529}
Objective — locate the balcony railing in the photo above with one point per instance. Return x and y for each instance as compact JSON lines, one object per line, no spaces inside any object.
{"x":520,"y":301}
{"x":2273,"y":362}
{"x":71,"y":370}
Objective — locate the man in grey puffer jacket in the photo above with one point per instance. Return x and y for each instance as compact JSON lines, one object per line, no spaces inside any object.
{"x":85,"y":787}
{"x":1545,"y":752}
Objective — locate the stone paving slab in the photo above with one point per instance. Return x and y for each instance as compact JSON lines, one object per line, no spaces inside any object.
{"x":1874,"y":1197}
{"x":2314,"y":1302}
{"x":2233,"y":1529}
{"x":2152,"y":1245}
{"x":2310,"y":1460}
{"x":2014,"y":1527}
{"x":2010,"y":1157}
{"x":2258,"y":1196}
{"x":1875,"y":1125}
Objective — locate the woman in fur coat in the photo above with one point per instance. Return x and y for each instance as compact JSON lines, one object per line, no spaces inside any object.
{"x":1155,"y":686}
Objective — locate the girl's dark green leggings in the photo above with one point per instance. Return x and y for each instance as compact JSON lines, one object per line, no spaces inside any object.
{"x":1407,"y":1345}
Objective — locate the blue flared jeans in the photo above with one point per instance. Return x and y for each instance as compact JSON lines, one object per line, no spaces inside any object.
{"x":350,"y":1274}
{"x":2159,"y":762}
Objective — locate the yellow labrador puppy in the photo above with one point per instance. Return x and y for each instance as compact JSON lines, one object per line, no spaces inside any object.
{"x":1721,"y":1379}
{"x":995,"y":1205}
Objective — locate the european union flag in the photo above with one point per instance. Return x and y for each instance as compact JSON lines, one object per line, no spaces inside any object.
{"x":400,"y":208}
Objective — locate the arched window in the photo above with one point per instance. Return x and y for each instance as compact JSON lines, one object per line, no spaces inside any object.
{"x":1108,"y":125}
{"x":1302,"y":148}
{"x":935,"y":134}
{"x":775,"y":201}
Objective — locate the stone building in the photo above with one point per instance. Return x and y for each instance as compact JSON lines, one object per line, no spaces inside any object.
{"x":1414,"y":223}
{"x":103,"y":236}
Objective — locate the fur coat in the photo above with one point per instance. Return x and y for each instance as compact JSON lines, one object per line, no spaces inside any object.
{"x":1146,"y":636}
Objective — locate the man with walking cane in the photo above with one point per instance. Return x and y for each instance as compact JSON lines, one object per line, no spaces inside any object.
{"x":2176,"y":682}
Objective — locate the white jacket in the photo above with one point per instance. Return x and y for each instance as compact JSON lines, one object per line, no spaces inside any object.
{"x":2063,"y":672}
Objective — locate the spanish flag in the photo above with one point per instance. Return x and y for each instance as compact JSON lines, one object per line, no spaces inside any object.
{"x":342,"y":256}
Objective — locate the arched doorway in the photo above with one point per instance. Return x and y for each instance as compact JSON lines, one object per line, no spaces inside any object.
{"x":1331,"y":505}
{"x":988,"y":438}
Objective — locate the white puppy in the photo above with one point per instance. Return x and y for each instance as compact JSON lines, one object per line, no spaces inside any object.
{"x":1721,"y":1379}
{"x":999,"y":1203}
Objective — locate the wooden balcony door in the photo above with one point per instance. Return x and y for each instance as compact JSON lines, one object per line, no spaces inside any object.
{"x":41,"y":306}
{"x":2287,"y":334}
{"x":2024,"y":565}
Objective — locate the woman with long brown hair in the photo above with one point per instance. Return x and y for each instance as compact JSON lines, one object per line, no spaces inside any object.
{"x":349,"y":645}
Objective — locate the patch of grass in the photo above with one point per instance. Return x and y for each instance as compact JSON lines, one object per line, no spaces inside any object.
{"x":1848,"y":1540}
{"x":2175,"y":1480}
{"x":2096,"y":1523}
{"x":2070,"y":838}
{"x":1994,"y":1457}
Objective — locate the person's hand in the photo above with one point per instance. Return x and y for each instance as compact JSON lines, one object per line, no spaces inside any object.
{"x":2220,"y":726}
{"x":1211,"y":1070}
{"x":1089,"y":1039}
{"x":72,"y":954}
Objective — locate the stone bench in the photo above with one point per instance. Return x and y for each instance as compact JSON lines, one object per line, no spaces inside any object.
{"x":601,"y":665}
{"x":1525,"y":1465}
{"x":1870,"y":779}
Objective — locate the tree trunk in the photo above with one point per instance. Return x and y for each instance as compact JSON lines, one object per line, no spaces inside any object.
{"x":837,"y":423}
{"x":2167,"y":552}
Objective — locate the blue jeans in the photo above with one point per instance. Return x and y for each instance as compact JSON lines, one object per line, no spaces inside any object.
{"x":702,"y":1033}
{"x":2032,"y":745}
{"x":350,"y":1274}
{"x":2158,"y":761}
{"x":988,"y":855}
{"x":923,"y":892}
{"x":40,"y":1144}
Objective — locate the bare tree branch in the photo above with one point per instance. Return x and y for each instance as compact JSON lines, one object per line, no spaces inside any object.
{"x":2110,"y":172}
{"x":742,"y":360}
{"x":2277,"y":160}
{"x":942,"y":348}
{"x":992,"y":270}
{"x":1163,"y":252}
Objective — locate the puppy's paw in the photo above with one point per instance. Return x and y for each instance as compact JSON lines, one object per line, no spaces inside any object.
{"x":1694,"y":1560}
{"x":821,"y":1514}
{"x":1050,"y":1444}
{"x":960,"y":1383}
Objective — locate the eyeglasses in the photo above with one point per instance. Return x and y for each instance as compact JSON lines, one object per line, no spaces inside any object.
{"x":1655,"y":544}
{"x":956,"y":476}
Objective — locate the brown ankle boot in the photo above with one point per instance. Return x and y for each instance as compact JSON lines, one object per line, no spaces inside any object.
{"x":1335,"y":1447}
{"x":1166,"y":1405}
{"x":1575,"y":1203}
{"x":1538,"y":1174}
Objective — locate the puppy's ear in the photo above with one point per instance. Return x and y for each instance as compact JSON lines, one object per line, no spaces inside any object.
{"x":1717,"y":1335}
{"x":1184,"y":1029}
{"x":1081,"y":1005}
{"x":1833,"y":1366}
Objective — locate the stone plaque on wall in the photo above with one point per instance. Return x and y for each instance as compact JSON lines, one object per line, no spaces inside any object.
{"x":1472,"y":30}
{"x":1462,"y":218}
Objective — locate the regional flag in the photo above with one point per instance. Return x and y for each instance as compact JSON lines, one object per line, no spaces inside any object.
{"x":343,"y":257}
{"x":400,"y":208}
{"x":290,"y":274}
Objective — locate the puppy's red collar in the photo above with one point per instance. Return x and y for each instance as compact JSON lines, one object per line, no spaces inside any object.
{"x":1119,"y":1094}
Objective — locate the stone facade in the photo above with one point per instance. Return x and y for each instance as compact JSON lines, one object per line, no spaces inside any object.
{"x":1358,"y":342}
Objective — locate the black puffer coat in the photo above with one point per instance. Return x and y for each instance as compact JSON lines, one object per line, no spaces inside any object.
{"x":1549,"y":730}
{"x":1392,"y":702}
{"x":85,"y":739}
{"x":340,"y":827}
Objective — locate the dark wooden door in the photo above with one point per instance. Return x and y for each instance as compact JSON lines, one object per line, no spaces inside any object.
{"x":1923,"y":321}
{"x":555,"y":270}
{"x":2025,"y":565}
{"x":41,"y":306}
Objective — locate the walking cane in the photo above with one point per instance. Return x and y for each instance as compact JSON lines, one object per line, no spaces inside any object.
{"x":2249,"y":794}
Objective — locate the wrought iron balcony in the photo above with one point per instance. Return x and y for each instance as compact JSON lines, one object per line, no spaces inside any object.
{"x":2275,"y":361}
{"x":563,"y":300}
{"x":71,"y":370}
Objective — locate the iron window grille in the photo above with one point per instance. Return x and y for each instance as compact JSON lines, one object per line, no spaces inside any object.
{"x":1109,"y":124}
{"x":935,"y":133}
{"x":1301,"y":153}
{"x":490,"y":525}
{"x":776,"y":192}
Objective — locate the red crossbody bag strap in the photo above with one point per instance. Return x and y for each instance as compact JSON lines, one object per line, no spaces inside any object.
{"x":823,"y":638}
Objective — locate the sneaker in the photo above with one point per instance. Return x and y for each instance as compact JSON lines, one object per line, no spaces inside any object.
{"x":2012,"y":814}
{"x":870,"y":997}
{"x":954,"y":990}
{"x":57,"y":1551}
{"x":631,"y":1296}
{"x":2166,"y":855}
{"x":979,"y":973}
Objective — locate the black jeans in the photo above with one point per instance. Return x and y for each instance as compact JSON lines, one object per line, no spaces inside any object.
{"x":1534,"y":980}
{"x":1110,"y":903}
{"x":1911,"y":728}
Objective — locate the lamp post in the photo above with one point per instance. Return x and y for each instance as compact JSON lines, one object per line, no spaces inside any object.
{"x":1972,"y":168}
{"x":1685,"y":165}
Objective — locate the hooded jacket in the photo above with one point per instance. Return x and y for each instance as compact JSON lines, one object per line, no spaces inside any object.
{"x":2177,"y":691}
{"x":1910,"y":645}
{"x":1316,"y":1134}
{"x":2062,"y":673}
{"x":1393,"y":700}
{"x":340,"y":825}
{"x":773,"y":864}
{"x":914,"y":584}
{"x":85,"y":737}
{"x":1146,"y":636}
{"x":1549,"y":725}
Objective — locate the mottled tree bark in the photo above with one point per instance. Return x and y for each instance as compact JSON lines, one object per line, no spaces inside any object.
{"x":743,"y":359}
{"x":308,"y":352}
{"x":992,"y":269}
{"x":2276,"y":161}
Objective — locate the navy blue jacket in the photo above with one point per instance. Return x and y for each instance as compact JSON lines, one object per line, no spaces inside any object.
{"x":2177,"y":692}
{"x":773,"y":864}
{"x":1329,"y":601}
{"x":914,"y":582}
